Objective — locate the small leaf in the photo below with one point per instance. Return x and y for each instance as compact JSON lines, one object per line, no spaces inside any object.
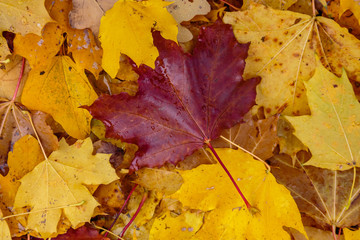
{"x":138,"y":18}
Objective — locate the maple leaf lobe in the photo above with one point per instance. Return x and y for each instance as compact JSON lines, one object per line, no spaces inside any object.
{"x":183,"y":102}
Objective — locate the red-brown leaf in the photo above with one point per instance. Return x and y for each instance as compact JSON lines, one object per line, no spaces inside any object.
{"x":185,"y":101}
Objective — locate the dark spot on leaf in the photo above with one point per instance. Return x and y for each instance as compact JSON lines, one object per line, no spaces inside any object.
{"x":296,"y":54}
{"x":297,"y":21}
{"x":335,"y":85}
{"x":275,"y":39}
{"x":268,"y":110}
{"x":70,"y":68}
{"x":42,"y":72}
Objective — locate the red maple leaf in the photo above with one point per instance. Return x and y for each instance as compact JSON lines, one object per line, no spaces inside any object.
{"x":81,"y":233}
{"x":185,"y":101}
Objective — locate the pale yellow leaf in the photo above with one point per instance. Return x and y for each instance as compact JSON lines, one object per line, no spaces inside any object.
{"x":56,"y":186}
{"x":4,"y":229}
{"x":332,"y":131}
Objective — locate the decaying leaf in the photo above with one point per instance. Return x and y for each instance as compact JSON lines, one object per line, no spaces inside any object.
{"x":123,"y":36}
{"x":258,"y":136}
{"x":82,"y":9}
{"x":327,"y":197}
{"x":186,"y":101}
{"x":14,"y":124}
{"x":110,"y":196}
{"x":185,"y":10}
{"x":21,"y":17}
{"x":282,"y":52}
{"x":208,"y":189}
{"x":60,"y":89}
{"x":351,"y":5}
{"x":332,"y":131}
{"x":56,"y":186}
{"x":276,"y":4}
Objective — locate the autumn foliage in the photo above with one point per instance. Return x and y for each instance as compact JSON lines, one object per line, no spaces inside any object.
{"x":125,"y":119}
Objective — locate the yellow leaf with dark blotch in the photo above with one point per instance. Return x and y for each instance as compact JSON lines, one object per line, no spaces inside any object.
{"x":138,"y":19}
{"x":38,"y":50}
{"x":60,"y":89}
{"x":351,"y":5}
{"x":9,"y":75}
{"x":22,"y":160}
{"x":4,"y":229}
{"x":183,"y":226}
{"x":351,"y":235}
{"x":208,"y":188}
{"x":56,"y":186}
{"x":332,"y":131}
{"x":160,"y":180}
{"x":283,"y":50}
{"x":21,"y":17}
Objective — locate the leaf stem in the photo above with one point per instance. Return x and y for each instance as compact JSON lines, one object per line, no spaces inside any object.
{"x":134,"y":216}
{"x":313,"y":8}
{"x":19,"y":79}
{"x":248,"y":205}
{"x":236,"y":8}
{"x":122,"y":209}
{"x":333,"y":230}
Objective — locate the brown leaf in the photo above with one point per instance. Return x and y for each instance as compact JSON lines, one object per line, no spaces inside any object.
{"x":257,"y":136}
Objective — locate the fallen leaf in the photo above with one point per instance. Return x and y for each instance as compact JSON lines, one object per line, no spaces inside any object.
{"x":4,"y":229}
{"x":123,"y":36}
{"x":21,"y":17}
{"x":82,"y":9}
{"x":159,"y":180}
{"x":22,"y":160}
{"x":332,"y":131}
{"x":184,"y":102}
{"x":15,"y":123}
{"x":283,"y":50}
{"x":39,"y":49}
{"x":60,"y":89}
{"x":184,"y":226}
{"x":81,"y":233}
{"x":9,"y":75}
{"x":351,"y":235}
{"x":276,"y":4}
{"x":327,"y":197}
{"x":258,"y":136}
{"x":185,"y":10}
{"x":208,"y":189}
{"x":59,"y":10}
{"x":56,"y":186}
{"x":110,"y":196}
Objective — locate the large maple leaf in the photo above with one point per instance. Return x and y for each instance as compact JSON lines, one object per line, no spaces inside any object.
{"x":185,"y":101}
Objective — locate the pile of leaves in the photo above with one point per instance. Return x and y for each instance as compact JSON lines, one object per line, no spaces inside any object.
{"x":180,"y":119}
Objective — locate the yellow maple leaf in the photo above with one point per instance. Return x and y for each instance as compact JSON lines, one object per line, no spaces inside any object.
{"x":132,"y":35}
{"x":332,"y":131}
{"x":22,"y":160}
{"x":282,"y":52}
{"x":21,"y":17}
{"x":56,"y":186}
{"x":208,"y":188}
{"x":4,"y":229}
{"x":60,"y":89}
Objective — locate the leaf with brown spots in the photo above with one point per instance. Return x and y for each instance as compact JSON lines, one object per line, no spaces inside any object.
{"x":282,"y":52}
